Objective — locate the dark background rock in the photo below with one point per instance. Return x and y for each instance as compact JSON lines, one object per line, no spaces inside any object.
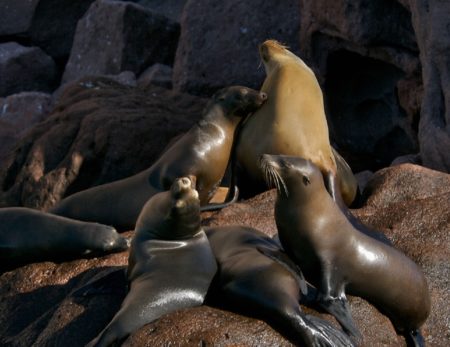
{"x":114,"y":36}
{"x":19,"y":113}
{"x":37,"y":302}
{"x":99,"y":131}
{"x":157,"y":74}
{"x":169,"y":8}
{"x":25,"y":69}
{"x":219,"y":41}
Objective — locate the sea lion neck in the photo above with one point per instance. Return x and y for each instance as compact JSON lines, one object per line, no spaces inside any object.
{"x":215,"y":114}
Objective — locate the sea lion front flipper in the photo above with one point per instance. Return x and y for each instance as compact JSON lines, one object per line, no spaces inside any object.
{"x":414,"y":339}
{"x":340,"y":309}
{"x":107,"y":282}
{"x":283,"y":259}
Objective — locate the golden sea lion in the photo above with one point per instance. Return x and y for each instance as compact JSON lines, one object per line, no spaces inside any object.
{"x":292,"y":122}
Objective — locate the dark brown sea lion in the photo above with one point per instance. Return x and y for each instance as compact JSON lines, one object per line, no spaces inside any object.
{"x":171,"y":264}
{"x":336,"y":257}
{"x":292,"y":122}
{"x":203,"y":152}
{"x":256,"y":278}
{"x":28,"y":236}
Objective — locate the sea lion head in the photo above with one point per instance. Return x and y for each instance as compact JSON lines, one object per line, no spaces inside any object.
{"x":239,"y":101}
{"x":290,"y":175}
{"x":274,"y":54}
{"x":104,"y":238}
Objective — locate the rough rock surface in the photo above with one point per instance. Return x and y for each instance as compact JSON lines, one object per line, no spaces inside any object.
{"x":432,"y":27}
{"x":18,"y":113}
{"x":114,"y":36}
{"x":25,"y":69}
{"x":221,"y":48}
{"x":99,"y":131}
{"x":417,"y":220}
{"x":157,"y":74}
{"x":169,"y":8}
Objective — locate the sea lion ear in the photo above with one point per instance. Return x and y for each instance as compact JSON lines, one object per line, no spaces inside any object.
{"x":306,"y":180}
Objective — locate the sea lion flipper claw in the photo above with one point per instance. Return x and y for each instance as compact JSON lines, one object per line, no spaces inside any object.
{"x":284,"y":260}
{"x":340,"y":309}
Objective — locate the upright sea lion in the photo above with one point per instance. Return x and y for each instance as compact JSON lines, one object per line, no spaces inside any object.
{"x":292,"y":122}
{"x":336,"y":257}
{"x":204,"y":152}
{"x":170,"y":266}
{"x":28,"y":235}
{"x":256,"y":278}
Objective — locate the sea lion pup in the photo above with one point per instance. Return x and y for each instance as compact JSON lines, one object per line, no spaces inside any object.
{"x":256,"y":276}
{"x":204,"y":152}
{"x":28,"y":236}
{"x":292,"y":122}
{"x":170,"y":266}
{"x":336,"y":257}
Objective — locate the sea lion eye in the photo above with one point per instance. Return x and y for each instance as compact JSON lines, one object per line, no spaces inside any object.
{"x":306,"y":180}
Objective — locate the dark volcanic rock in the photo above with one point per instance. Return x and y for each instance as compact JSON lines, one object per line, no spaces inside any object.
{"x":432,"y":26}
{"x":219,"y":41}
{"x":157,"y":74}
{"x":417,"y":220}
{"x":25,"y":69}
{"x":49,"y":24}
{"x":18,"y":113}
{"x":114,"y":36}
{"x":99,"y":131}
{"x":169,"y":8}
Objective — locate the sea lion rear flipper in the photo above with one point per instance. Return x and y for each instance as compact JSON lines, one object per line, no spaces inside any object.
{"x":333,"y":336}
{"x":284,"y":260}
{"x":340,"y":309}
{"x":109,"y":281}
{"x":214,"y":207}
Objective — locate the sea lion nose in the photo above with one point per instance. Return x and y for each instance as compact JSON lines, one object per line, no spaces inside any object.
{"x":185,"y":182}
{"x":263,"y":95}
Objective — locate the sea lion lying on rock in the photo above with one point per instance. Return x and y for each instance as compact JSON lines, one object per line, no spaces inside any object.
{"x":203,"y":152}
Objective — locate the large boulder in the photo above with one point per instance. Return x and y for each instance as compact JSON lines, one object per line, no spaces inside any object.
{"x":432,"y":26}
{"x":25,"y":69}
{"x":49,"y":24}
{"x":219,"y":41}
{"x":114,"y":36}
{"x":417,"y":223}
{"x":366,"y":57}
{"x":169,"y":8}
{"x":99,"y":131}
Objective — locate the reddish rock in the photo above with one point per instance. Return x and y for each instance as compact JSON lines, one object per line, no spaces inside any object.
{"x":99,"y":131}
{"x":114,"y":36}
{"x":219,"y":41}
{"x":25,"y":69}
{"x":418,"y":224}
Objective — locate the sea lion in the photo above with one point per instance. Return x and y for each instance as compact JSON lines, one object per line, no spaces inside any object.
{"x":256,"y":278}
{"x":336,"y":257}
{"x":170,"y":266}
{"x":28,"y":235}
{"x":204,"y":152}
{"x":292,"y":122}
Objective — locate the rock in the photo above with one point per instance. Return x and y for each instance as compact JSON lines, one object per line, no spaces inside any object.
{"x":366,"y":57}
{"x":114,"y":36}
{"x":169,"y":8}
{"x":18,"y":113}
{"x":219,"y":42}
{"x":16,"y":16}
{"x":99,"y":131}
{"x":157,"y":74}
{"x":432,"y":26}
{"x":362,"y":178}
{"x":49,"y":24}
{"x":25,"y":69}
{"x":409,"y":158}
{"x":417,"y":223}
